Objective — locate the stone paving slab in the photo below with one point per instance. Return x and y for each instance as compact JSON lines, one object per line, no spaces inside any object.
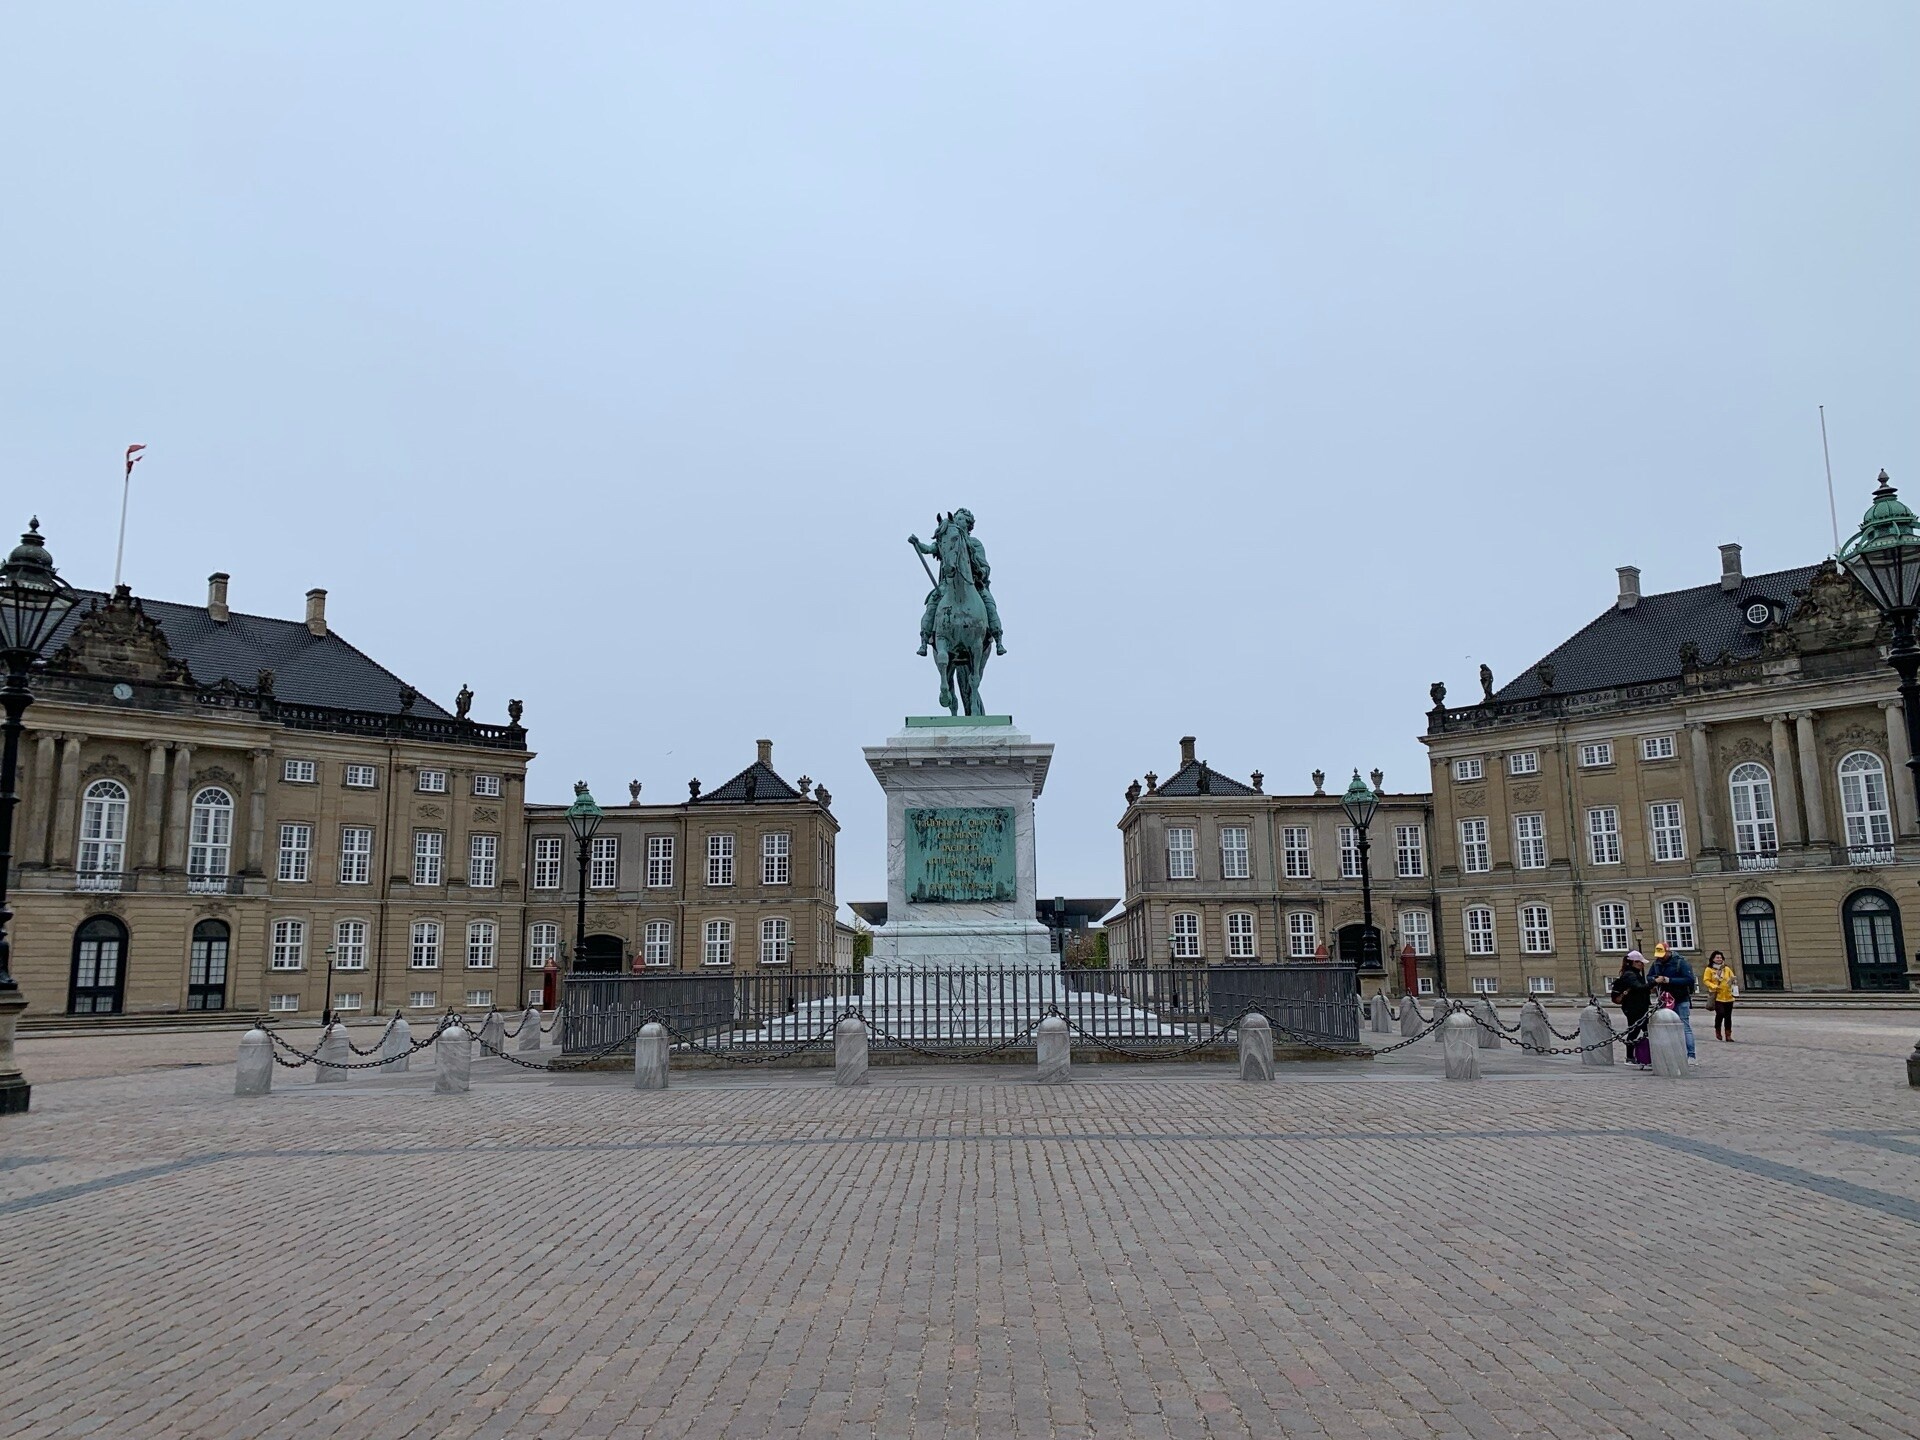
{"x":1352,"y":1251}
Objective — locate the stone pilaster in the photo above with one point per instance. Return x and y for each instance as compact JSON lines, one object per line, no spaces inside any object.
{"x":1703,"y":786}
{"x":1812,"y":793}
{"x":1789,"y":793}
{"x":155,"y":796}
{"x":39,"y":797}
{"x":257,"y":813}
{"x":1900,"y":782}
{"x":66,"y":804}
{"x":179,"y":808}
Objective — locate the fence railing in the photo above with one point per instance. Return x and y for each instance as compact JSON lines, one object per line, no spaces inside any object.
{"x":960,"y":1009}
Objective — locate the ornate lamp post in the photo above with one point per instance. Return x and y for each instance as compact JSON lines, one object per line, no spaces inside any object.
{"x":1360,"y":802}
{"x":583,"y":818}
{"x":33,"y":602}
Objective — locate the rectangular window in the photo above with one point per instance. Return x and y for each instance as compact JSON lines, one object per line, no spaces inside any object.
{"x":480,"y":1000}
{"x":1596,"y":753}
{"x":424,"y":953}
{"x":1416,"y":929}
{"x":1469,"y":767}
{"x":658,"y":945}
{"x":1349,"y":853}
{"x":486,"y":785}
{"x":300,"y":772}
{"x":423,"y":1000}
{"x":1409,"y":851}
{"x":1603,"y":835}
{"x":719,"y":942}
{"x":483,"y":861}
{"x":546,"y":862}
{"x":1476,"y":854}
{"x":1234,"y":861}
{"x":1241,"y":942}
{"x":1676,"y":924}
{"x":1486,"y":984}
{"x":289,"y":945}
{"x":1479,"y":921}
{"x":1425,"y":984}
{"x":659,"y":862}
{"x":776,"y":864}
{"x":1530,"y":842}
{"x":1610,"y":927}
{"x":1536,"y":930}
{"x":536,"y":995}
{"x":350,"y":945}
{"x":433,"y":782}
{"x":1185,"y":933}
{"x":481,"y":945}
{"x":1669,"y":831}
{"x":1180,"y":852}
{"x":543,"y":945}
{"x":296,"y":852}
{"x":603,"y":862}
{"x":719,"y":859}
{"x":349,"y":1000}
{"x":362,"y":777}
{"x":1539,"y":984}
{"x":776,"y":941}
{"x":1656,"y":747}
{"x":283,"y":1002}
{"x":1298,"y":842}
{"x":428,"y":851}
{"x":1523,"y":762}
{"x":356,"y":854}
{"x":1303,"y":934}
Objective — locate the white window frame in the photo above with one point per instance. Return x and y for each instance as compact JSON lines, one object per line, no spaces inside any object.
{"x":423,"y":945}
{"x":289,"y":945}
{"x":423,"y":999}
{"x":1530,"y":841}
{"x":1303,"y":934}
{"x":1183,"y":935}
{"x":547,"y":854}
{"x":1348,"y":842}
{"x":486,"y":786}
{"x":1612,"y":927}
{"x":1243,"y":936}
{"x":431,"y":782}
{"x":1182,"y":862}
{"x":776,"y":858}
{"x":720,"y":859}
{"x":659,"y":862}
{"x":657,"y":943}
{"x":479,"y":998}
{"x":299,"y":772}
{"x":1481,"y":930}
{"x":1468,"y":768}
{"x":1476,"y":849}
{"x":1540,"y":985}
{"x":1596,"y":754}
{"x":356,"y":854}
{"x":776,"y":940}
{"x":349,"y":1001}
{"x":543,"y":944}
{"x":210,"y":835}
{"x":1416,"y":929}
{"x":1486,"y":984}
{"x":716,"y":943}
{"x":1424,"y":984}
{"x":296,"y":853}
{"x":1756,"y":819}
{"x":1410,"y":851}
{"x":483,"y":861}
{"x":1603,"y":834}
{"x":360,"y":777}
{"x":1865,"y":801}
{"x":603,"y":862}
{"x":282,"y":1003}
{"x":1667,"y":830}
{"x":1679,"y":925}
{"x":103,"y":829}
{"x":349,"y":944}
{"x":1523,"y":762}
{"x":429,"y":857}
{"x":483,"y":944}
{"x":1236,"y":857}
{"x":1657,"y":747}
{"x":1297,"y":848}
{"x":1536,"y":929}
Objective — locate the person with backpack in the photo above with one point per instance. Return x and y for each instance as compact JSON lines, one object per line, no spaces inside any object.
{"x":1631,"y":994}
{"x":1672,"y":977}
{"x":1723,"y":988}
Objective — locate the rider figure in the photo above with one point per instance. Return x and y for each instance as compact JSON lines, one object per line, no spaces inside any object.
{"x":982,"y":574}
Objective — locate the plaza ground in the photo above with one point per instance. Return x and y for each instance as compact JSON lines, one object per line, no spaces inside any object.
{"x":1357,"y":1250}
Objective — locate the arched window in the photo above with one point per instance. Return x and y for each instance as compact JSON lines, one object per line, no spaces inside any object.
{"x":1241,"y":944}
{"x":209,"y":837}
{"x":1303,"y":934}
{"x":1863,"y":800}
{"x":1754,"y":829}
{"x":719,"y":942}
{"x":1876,"y":952}
{"x":99,"y":976}
{"x":1759,"y":944}
{"x":207,"y":966}
{"x":482,"y":942}
{"x":103,"y":835}
{"x":776,"y":941}
{"x":1184,"y":931}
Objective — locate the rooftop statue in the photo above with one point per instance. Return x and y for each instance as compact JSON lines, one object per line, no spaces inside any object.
{"x":960,"y":617}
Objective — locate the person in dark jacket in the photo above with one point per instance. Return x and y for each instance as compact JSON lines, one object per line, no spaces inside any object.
{"x":1673,"y":976}
{"x":1631,"y":993}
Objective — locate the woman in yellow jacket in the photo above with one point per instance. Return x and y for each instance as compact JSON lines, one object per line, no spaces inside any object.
{"x":1722,"y":988}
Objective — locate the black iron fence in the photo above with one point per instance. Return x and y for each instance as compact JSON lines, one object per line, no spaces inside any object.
{"x":960,"y":1009}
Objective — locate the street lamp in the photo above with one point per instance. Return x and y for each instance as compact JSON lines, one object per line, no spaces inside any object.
{"x":1360,"y":802}
{"x":33,"y":602}
{"x":326,"y":1009}
{"x":583,"y":818}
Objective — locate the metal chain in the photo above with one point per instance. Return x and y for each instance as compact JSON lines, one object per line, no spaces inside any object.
{"x":1159,"y":1053}
{"x":378,"y":1043}
{"x":1613,"y":1036}
{"x":314,"y":1059}
{"x":996,"y":1048}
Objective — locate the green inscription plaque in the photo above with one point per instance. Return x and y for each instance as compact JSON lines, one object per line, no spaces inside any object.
{"x":960,"y":855}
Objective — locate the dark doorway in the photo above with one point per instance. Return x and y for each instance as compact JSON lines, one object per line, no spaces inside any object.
{"x":1359,"y":946}
{"x":99,"y":978}
{"x":207,"y":966}
{"x":601,"y":955}
{"x":1760,"y":967}
{"x":1876,"y":953}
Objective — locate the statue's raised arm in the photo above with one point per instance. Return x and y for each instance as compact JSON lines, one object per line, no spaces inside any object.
{"x":961,"y":622}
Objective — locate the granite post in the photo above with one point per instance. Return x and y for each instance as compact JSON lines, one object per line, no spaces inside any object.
{"x":850,"y":1051}
{"x":1490,"y":1030}
{"x":1668,"y":1041}
{"x":528,"y":1035}
{"x":650,"y":1057}
{"x":1053,"y":1049}
{"x":1410,"y":1021}
{"x":1462,"y":1055}
{"x":1594,"y":1029}
{"x":396,"y":1050}
{"x":253,"y":1073}
{"x":453,"y":1060}
{"x":333,"y":1048}
{"x":1380,"y":1014}
{"x":1534,"y":1033}
{"x":1256,"y":1047}
{"x":493,"y":1033}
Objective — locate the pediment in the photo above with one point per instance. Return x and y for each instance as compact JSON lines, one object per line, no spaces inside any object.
{"x":120,"y":641}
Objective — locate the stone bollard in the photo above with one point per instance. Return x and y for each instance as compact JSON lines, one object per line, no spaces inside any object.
{"x":1490,"y":1032}
{"x":528,"y":1036}
{"x":1256,"y":1047}
{"x":650,"y":1057}
{"x":1456,"y":1041}
{"x":1380,"y":1014}
{"x":1668,"y":1041}
{"x":1053,"y":1047}
{"x":1533,"y":1026}
{"x":1594,"y":1029}
{"x":253,"y":1075}
{"x":493,"y":1034}
{"x":1442,"y":1008}
{"x":453,"y":1060}
{"x":850,"y":1051}
{"x":333,"y":1046}
{"x":1410,"y":1021}
{"x":396,"y":1051}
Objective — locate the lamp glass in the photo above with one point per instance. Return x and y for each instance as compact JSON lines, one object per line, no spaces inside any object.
{"x":33,"y":597}
{"x":583,"y":816}
{"x":1360,"y":802}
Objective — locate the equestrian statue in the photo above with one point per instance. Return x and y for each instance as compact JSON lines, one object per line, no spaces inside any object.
{"x":960,"y":618}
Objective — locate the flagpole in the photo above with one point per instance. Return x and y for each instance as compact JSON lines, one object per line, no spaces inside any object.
{"x":126,"y":488}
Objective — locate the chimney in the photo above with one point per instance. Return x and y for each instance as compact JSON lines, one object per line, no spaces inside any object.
{"x":1730,"y":577}
{"x":217,"y":597}
{"x":766,"y":752}
{"x":1629,"y":587}
{"x":1186,"y":750}
{"x":317,"y":614}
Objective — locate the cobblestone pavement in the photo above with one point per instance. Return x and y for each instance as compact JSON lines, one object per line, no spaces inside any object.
{"x":1358,"y":1250}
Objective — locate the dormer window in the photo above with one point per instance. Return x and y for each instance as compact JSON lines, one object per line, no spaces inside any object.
{"x":1759,"y":614}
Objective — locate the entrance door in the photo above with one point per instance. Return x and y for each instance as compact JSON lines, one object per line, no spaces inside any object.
{"x":1759,"y":946}
{"x":1360,"y":947}
{"x":99,"y":978}
{"x":207,"y":967}
{"x":1876,"y":958}
{"x":601,"y":955}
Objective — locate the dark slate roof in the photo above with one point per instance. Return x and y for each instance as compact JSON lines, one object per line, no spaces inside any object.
{"x":307,"y":669}
{"x":1633,"y":647}
{"x":1187,"y":782}
{"x":767,"y":786}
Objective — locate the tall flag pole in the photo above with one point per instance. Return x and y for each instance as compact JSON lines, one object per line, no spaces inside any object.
{"x":134,"y":457}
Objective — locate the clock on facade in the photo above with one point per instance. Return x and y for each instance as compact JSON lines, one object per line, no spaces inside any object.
{"x":123,"y":691}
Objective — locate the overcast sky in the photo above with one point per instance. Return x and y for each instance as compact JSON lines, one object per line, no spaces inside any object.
{"x":1292,"y":357}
